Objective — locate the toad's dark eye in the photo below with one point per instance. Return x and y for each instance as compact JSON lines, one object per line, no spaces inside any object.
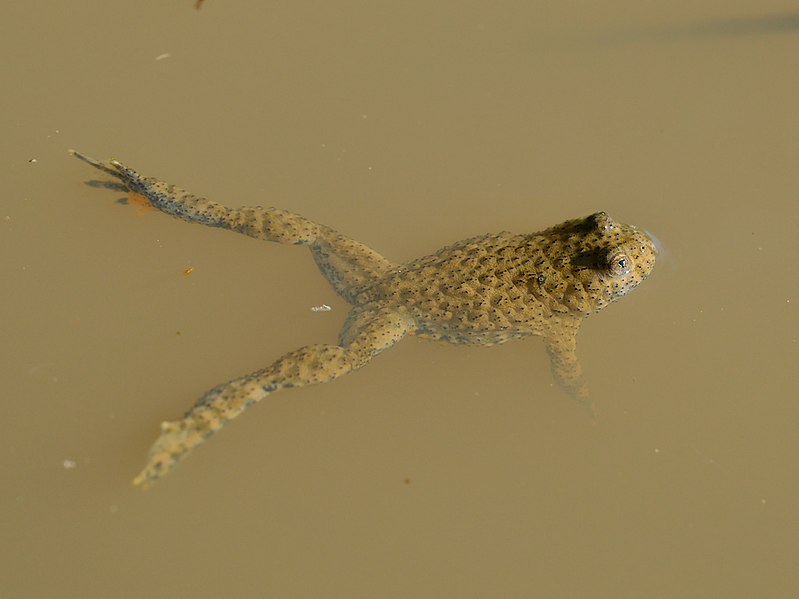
{"x":541,"y":279}
{"x":618,"y":264}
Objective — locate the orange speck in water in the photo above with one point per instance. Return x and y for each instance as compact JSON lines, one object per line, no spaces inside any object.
{"x":188,"y":270}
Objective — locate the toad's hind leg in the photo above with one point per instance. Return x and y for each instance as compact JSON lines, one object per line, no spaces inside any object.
{"x":349,"y":265}
{"x":367,"y":333}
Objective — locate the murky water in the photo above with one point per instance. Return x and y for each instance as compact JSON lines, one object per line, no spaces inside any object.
{"x":436,"y":471}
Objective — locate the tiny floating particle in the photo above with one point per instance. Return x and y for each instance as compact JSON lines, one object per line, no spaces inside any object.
{"x":322,"y":308}
{"x":188,"y":270}
{"x":70,"y":464}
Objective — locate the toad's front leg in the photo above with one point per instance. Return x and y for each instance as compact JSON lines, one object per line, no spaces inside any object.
{"x":561,"y":345}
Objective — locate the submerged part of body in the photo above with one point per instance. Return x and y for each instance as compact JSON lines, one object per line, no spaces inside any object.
{"x":484,"y":290}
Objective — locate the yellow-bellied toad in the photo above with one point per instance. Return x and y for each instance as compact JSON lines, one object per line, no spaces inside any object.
{"x":485,"y":290}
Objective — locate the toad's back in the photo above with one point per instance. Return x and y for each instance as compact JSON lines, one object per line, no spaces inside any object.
{"x":494,"y":288}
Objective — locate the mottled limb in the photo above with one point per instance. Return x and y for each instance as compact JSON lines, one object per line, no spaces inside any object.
{"x":348,"y":264}
{"x":566,"y":370}
{"x":367,"y":334}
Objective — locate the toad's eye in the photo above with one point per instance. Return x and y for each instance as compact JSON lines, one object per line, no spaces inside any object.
{"x":618,"y":264}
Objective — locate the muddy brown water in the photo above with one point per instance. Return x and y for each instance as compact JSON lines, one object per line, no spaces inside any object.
{"x":436,"y":471}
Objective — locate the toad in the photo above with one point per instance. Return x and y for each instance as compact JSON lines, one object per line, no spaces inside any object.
{"x":484,"y":290}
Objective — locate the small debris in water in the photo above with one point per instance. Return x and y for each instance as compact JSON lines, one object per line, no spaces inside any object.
{"x":70,"y":464}
{"x":322,"y":308}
